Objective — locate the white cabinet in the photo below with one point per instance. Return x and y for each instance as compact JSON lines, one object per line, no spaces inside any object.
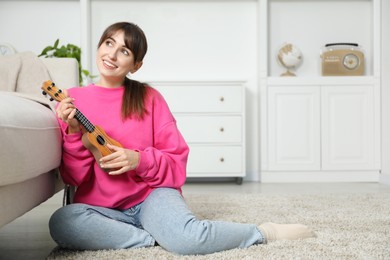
{"x":320,"y":128}
{"x":211,"y":117}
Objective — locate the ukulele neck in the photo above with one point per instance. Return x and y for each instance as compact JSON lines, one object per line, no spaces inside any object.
{"x":84,"y":121}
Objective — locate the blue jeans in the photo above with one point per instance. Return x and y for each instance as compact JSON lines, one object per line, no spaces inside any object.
{"x":163,"y":218}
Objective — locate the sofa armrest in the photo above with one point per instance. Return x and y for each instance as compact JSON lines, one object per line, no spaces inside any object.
{"x":30,"y":139}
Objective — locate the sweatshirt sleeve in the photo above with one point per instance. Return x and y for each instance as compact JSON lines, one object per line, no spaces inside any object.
{"x":164,"y":164}
{"x":77,"y":161}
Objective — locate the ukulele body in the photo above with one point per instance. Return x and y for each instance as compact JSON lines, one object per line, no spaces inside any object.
{"x":97,"y":141}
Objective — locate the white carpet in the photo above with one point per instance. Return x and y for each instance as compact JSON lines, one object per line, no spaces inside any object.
{"x":348,"y":226}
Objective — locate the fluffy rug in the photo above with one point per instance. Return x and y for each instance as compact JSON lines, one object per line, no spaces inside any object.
{"x":348,"y":226}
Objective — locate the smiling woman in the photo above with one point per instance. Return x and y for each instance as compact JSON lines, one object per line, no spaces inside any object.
{"x":114,"y":59}
{"x":139,"y":184}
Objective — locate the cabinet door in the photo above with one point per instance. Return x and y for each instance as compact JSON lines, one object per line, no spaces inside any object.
{"x":294,"y":128}
{"x":347,"y":127}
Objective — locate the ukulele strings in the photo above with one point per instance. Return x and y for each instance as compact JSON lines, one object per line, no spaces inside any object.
{"x":96,"y":133}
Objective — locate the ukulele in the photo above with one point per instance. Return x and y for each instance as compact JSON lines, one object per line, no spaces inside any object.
{"x":95,"y":138}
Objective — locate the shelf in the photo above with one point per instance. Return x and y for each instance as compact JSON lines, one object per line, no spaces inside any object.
{"x":311,"y":24}
{"x":301,"y":81}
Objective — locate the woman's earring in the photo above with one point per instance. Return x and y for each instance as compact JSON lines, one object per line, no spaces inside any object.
{"x":128,"y":75}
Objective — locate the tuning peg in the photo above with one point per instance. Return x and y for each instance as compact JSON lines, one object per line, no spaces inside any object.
{"x":44,"y":93}
{"x":51,"y":99}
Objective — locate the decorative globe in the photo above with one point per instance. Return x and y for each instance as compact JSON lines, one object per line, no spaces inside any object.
{"x":290,"y":57}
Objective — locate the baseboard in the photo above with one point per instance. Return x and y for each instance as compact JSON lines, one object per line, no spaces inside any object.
{"x":320,"y":176}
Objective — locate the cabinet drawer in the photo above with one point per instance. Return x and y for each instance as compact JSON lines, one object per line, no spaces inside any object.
{"x":204,"y":129}
{"x":215,"y":159}
{"x":203,"y":98}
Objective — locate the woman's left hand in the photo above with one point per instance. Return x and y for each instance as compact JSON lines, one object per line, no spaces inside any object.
{"x":121,"y":160}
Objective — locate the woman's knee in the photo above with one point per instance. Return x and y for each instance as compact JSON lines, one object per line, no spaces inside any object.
{"x":64,"y":215}
{"x":166,"y":216}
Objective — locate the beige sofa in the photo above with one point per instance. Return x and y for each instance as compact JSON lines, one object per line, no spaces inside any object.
{"x":30,"y":146}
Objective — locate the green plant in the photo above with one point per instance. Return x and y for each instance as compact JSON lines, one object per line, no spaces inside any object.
{"x":67,"y":51}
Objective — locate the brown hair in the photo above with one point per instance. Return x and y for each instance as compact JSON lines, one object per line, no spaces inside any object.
{"x":133,"y":101}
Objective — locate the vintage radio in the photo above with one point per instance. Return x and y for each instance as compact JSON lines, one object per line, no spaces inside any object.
{"x":342,"y":59}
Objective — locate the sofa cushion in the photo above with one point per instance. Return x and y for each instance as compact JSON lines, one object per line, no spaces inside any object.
{"x":19,"y":72}
{"x":30,"y":138}
{"x":63,"y":72}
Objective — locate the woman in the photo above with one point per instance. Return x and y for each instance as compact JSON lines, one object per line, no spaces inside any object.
{"x":132,"y":197}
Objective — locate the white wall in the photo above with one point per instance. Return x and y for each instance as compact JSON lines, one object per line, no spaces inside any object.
{"x":33,"y":25}
{"x":188,"y":40}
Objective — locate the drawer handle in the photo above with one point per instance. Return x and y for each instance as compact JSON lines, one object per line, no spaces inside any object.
{"x":221,"y":159}
{"x":221,"y":99}
{"x":221,"y":129}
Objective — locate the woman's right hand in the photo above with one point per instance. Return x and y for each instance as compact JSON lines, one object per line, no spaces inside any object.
{"x":66,"y":111}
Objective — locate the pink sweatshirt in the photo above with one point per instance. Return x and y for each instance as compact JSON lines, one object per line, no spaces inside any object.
{"x":163,"y":151}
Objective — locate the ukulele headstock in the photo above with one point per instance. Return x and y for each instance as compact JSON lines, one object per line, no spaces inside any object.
{"x":50,"y":89}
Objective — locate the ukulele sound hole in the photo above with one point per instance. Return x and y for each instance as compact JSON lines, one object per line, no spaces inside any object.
{"x":100,"y":140}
